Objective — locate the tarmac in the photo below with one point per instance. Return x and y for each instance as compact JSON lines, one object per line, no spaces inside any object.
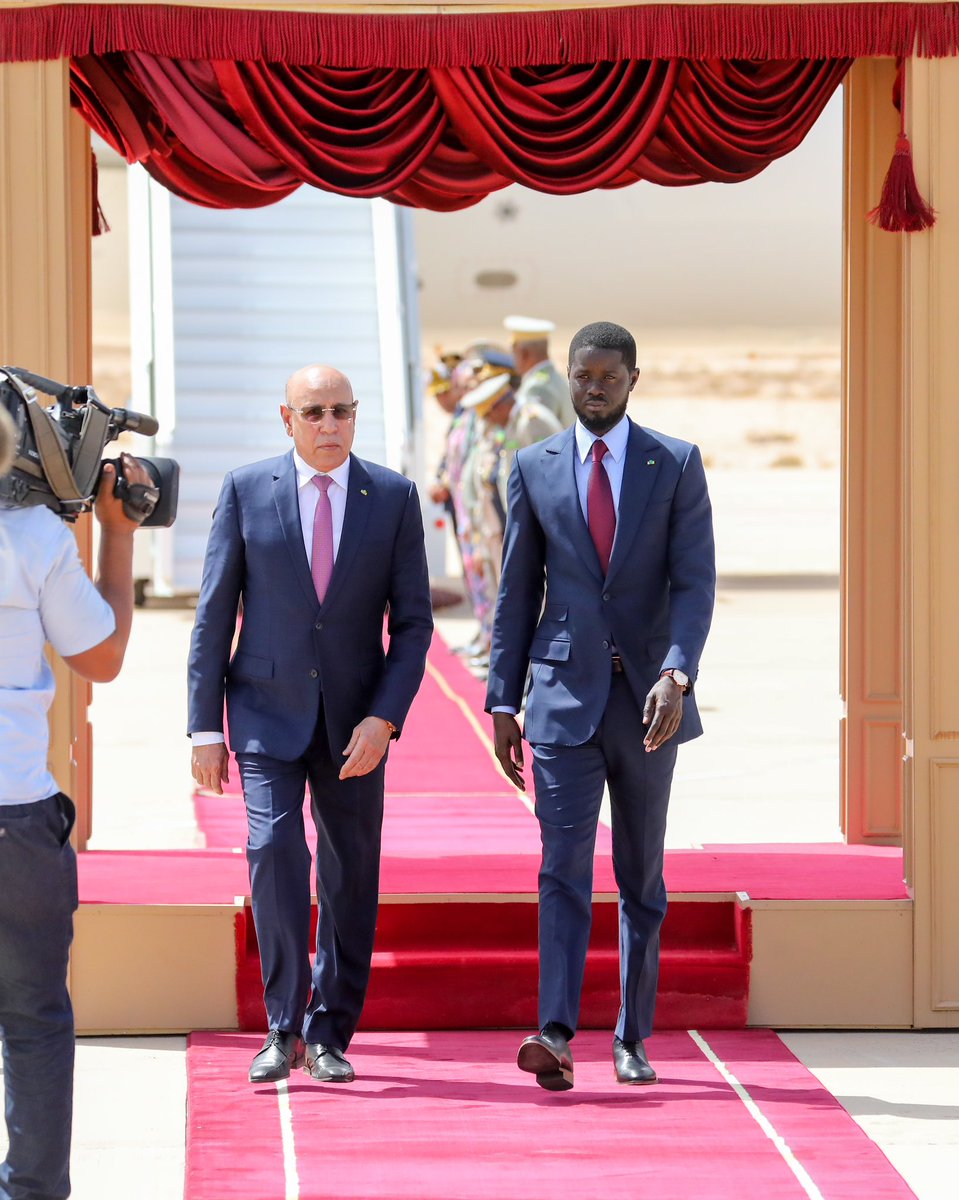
{"x":767,"y":770}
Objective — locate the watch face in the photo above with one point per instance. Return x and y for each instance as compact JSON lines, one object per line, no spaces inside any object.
{"x":681,"y":678}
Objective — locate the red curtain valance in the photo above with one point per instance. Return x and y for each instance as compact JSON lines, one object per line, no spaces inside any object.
{"x":243,"y":134}
{"x":474,"y":39}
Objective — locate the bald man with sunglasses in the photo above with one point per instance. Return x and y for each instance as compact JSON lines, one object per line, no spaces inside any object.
{"x":319,"y":546}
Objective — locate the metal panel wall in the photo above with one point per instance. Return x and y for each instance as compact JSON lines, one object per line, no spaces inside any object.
{"x":255,"y":295}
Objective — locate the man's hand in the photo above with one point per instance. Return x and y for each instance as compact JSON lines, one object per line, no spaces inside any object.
{"x":662,"y":712}
{"x":211,"y":766}
{"x":366,"y":747}
{"x":508,"y":745}
{"x":107,"y":508}
{"x":439,"y":493}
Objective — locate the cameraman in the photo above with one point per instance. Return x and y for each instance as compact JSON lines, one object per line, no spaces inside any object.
{"x":46,"y":596}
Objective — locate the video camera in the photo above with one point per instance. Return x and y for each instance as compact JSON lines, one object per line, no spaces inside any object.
{"x":59,"y":455}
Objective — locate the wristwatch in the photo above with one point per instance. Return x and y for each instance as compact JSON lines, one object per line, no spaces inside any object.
{"x":389,"y":725}
{"x":679,"y":677}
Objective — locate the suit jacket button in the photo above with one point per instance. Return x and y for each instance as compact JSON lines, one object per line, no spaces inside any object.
{"x":314,"y":673}
{"x":605,"y":645}
{"x":318,"y":625}
{"x":605,"y":595}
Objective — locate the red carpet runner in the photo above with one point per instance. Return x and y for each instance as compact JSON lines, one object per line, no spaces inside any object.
{"x":438,"y":1116}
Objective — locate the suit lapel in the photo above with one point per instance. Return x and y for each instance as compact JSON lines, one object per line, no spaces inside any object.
{"x":288,"y":510}
{"x":640,"y":472}
{"x":560,"y":472}
{"x":359,"y":499}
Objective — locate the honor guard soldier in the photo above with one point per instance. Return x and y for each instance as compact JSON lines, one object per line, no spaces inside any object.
{"x":540,"y":379}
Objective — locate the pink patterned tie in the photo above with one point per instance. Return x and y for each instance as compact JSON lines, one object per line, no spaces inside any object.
{"x":599,"y":507}
{"x":322,"y":561}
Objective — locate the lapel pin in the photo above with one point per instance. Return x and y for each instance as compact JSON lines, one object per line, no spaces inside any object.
{"x":364,"y":492}
{"x":650,"y":462}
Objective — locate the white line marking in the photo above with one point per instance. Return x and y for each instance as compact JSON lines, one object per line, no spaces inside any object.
{"x":752,"y":1108}
{"x":291,"y":1178}
{"x":474,"y":725}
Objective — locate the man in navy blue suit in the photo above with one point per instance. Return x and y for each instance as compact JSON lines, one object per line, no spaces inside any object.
{"x":606,"y":592}
{"x":319,"y":546}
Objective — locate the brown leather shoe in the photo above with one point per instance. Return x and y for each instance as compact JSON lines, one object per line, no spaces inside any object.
{"x":547,"y":1056}
{"x":631,"y":1063}
{"x":281,"y":1052}
{"x":327,"y":1064}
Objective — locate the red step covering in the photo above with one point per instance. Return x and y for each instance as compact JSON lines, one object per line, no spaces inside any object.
{"x":451,"y":1115}
{"x":451,"y":965}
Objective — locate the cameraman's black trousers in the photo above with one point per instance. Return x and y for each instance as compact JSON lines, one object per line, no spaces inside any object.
{"x":38,"y":896}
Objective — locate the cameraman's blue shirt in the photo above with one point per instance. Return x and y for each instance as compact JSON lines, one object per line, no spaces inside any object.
{"x":45,"y":596}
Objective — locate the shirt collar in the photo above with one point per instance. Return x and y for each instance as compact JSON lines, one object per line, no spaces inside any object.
{"x":615,"y":439}
{"x":304,"y":472}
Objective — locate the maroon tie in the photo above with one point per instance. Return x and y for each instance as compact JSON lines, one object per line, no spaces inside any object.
{"x":599,"y":507}
{"x":321,"y":564}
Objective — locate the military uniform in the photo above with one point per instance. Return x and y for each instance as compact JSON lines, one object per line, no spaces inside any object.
{"x":529,"y":422}
{"x":545,"y":385}
{"x":541,"y":381}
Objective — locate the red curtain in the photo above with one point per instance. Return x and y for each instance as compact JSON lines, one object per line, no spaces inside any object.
{"x":888,"y":28}
{"x":245,"y":133}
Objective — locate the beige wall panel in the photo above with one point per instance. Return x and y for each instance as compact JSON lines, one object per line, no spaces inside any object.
{"x":882,"y":747}
{"x":944,"y":838}
{"x":932,"y":538}
{"x":154,"y":969}
{"x":831,"y":965}
{"x":872,"y":613}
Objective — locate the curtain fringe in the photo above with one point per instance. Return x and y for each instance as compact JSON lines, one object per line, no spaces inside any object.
{"x":412,"y":41}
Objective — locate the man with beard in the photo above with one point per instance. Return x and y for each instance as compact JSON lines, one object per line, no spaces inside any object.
{"x":607,"y":590}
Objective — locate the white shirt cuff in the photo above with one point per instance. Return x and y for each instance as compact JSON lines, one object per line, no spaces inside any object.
{"x":506,"y":708}
{"x":207,"y":738}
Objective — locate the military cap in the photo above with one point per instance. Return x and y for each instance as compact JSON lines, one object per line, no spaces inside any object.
{"x":529,"y":329}
{"x":485,"y":395}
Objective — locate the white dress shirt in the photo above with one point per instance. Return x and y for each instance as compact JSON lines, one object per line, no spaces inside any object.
{"x":306,"y":495}
{"x":614,"y":461}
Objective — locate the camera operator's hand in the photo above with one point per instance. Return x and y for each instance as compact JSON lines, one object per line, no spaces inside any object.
{"x":114,"y":580}
{"x":108,"y":507}
{"x":211,"y":766}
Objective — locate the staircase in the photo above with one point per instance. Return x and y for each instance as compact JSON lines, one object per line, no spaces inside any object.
{"x":472,"y":964}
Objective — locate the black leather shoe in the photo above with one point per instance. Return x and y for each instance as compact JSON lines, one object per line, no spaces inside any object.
{"x":631,"y":1063}
{"x":327,"y":1064}
{"x":547,"y":1056}
{"x":281,"y":1052}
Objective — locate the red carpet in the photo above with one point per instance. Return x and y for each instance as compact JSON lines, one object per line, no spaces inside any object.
{"x":823,"y":872}
{"x":454,"y":825}
{"x":436,"y":1116}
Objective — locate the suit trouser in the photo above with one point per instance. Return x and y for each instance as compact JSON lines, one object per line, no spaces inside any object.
{"x":38,"y":897}
{"x":569,"y":783}
{"x":324,"y":1005}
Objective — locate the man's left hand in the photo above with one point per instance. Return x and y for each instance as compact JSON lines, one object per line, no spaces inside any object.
{"x":662,"y":712}
{"x":366,"y":747}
